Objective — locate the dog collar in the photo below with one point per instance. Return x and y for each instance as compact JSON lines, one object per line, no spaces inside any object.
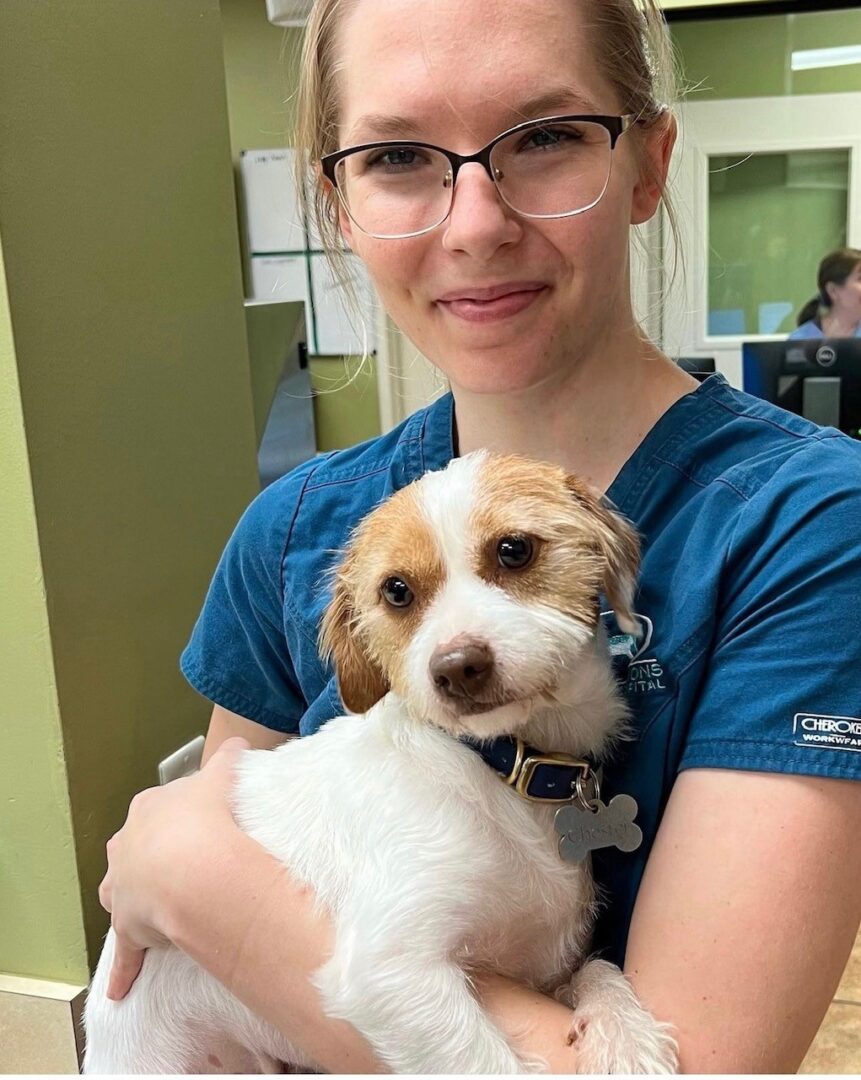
{"x":538,"y":775}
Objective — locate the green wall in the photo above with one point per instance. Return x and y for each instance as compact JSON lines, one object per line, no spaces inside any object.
{"x":346,"y":407}
{"x":261,"y":63}
{"x":751,"y":57}
{"x":775,"y":216}
{"x":119,"y":233}
{"x":41,"y":928}
{"x":771,"y":219}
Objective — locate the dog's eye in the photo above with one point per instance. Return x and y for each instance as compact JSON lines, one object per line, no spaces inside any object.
{"x":514,"y":552}
{"x":396,"y":592}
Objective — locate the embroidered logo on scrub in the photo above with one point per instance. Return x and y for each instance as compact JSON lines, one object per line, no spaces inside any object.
{"x":827,"y":732}
{"x":643,"y":673}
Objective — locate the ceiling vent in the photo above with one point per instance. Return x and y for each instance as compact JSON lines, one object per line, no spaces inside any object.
{"x":288,"y":12}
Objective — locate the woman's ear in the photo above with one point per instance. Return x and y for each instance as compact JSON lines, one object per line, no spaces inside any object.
{"x":345,"y":224}
{"x":360,"y":679}
{"x":335,"y":211}
{"x":655,"y":154}
{"x":619,"y":546}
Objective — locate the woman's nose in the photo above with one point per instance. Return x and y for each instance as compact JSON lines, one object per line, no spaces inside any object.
{"x":479,"y":222}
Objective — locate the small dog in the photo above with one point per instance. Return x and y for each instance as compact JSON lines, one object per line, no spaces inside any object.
{"x":464,"y":611}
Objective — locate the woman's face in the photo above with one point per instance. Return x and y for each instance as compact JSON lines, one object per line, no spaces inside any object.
{"x":459,"y":72}
{"x":846,"y":298}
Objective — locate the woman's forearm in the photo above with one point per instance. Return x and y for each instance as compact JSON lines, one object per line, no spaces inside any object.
{"x":250,"y":926}
{"x":257,"y":932}
{"x":535,"y":1025}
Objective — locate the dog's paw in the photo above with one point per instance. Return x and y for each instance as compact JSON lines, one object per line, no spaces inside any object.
{"x":611,"y":1033}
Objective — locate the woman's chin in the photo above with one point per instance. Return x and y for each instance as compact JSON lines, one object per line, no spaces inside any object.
{"x":480,"y":373}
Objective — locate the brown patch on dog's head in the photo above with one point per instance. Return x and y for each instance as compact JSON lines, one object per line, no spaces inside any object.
{"x":365,"y":637}
{"x":619,"y":546}
{"x":361,"y":682}
{"x":580,"y":547}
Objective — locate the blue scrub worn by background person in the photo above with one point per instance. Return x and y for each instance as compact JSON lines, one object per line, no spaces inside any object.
{"x":811,"y":330}
{"x":748,"y":600}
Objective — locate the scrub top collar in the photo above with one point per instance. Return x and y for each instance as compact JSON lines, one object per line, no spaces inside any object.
{"x":432,"y":433}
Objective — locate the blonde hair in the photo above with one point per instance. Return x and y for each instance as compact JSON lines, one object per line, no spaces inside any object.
{"x":631,"y":43}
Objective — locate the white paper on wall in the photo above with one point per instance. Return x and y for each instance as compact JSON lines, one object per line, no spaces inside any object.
{"x":273,"y":220}
{"x":286,"y":261}
{"x":340,"y":331}
{"x":279,"y":277}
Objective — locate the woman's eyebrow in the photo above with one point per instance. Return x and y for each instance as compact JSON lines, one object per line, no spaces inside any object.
{"x":385,"y":126}
{"x":558,"y":100}
{"x":381,"y":125}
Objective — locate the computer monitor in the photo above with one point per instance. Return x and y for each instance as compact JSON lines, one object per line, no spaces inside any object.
{"x":698,"y":366}
{"x":817,"y":378}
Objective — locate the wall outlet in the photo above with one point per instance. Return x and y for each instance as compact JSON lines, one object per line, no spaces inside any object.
{"x":182,"y":762}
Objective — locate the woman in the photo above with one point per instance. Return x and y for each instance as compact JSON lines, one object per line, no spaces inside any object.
{"x":836,"y":311}
{"x":735,"y":918}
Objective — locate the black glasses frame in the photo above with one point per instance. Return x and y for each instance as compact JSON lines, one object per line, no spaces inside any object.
{"x":615,"y":125}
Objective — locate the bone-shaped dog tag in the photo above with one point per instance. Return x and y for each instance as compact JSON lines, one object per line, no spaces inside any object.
{"x":582,"y":831}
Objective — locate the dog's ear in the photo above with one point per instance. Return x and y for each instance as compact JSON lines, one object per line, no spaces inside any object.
{"x":361,"y":682}
{"x":618,"y":544}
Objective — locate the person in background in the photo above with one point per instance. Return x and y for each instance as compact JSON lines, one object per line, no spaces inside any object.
{"x":836,"y":311}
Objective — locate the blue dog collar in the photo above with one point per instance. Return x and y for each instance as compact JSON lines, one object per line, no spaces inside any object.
{"x":537,"y":775}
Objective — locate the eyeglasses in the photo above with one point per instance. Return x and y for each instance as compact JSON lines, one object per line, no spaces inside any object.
{"x":555,"y":167}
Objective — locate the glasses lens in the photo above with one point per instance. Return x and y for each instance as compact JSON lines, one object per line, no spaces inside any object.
{"x":392,"y":191}
{"x":552,"y":169}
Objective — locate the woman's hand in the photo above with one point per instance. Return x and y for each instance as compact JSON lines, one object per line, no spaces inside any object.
{"x":181,"y":870}
{"x":168,"y":832}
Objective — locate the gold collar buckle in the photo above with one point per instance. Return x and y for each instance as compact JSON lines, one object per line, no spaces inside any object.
{"x":524,"y":767}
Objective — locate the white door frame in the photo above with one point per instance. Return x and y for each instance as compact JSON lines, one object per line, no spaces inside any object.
{"x":406,"y":380}
{"x":732,"y":127}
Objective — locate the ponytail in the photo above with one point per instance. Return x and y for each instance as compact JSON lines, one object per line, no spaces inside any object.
{"x":809,"y":311}
{"x":835,"y":268}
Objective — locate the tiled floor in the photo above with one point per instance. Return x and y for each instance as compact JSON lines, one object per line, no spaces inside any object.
{"x":39,"y":1026}
{"x":837,"y":1047}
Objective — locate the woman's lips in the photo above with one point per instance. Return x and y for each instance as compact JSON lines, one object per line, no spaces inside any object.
{"x":502,"y":307}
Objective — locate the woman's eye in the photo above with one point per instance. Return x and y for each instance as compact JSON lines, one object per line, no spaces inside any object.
{"x":547,"y":138}
{"x":396,"y":592}
{"x":397,"y":157}
{"x":515,"y":552}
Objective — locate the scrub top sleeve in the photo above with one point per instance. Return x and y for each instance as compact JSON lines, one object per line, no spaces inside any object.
{"x":782,"y":692}
{"x":238,"y":655}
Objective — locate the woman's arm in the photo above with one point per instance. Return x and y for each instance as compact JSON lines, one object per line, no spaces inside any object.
{"x":747,"y":913}
{"x":268,"y":958}
{"x":262,"y":937}
{"x":224,"y":724}
{"x":743,"y":926}
{"x":744,"y":922}
{"x":264,"y":940}
{"x":181,"y":870}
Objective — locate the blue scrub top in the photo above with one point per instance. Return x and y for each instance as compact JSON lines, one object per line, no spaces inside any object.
{"x":812,"y":329}
{"x":748,"y":600}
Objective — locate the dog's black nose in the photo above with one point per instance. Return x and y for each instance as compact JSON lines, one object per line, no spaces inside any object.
{"x":461,"y":670}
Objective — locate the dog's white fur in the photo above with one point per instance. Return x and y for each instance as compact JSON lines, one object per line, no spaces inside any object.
{"x":429,"y":865}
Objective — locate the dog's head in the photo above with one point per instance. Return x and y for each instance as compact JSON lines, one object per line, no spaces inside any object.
{"x":471,"y":592}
